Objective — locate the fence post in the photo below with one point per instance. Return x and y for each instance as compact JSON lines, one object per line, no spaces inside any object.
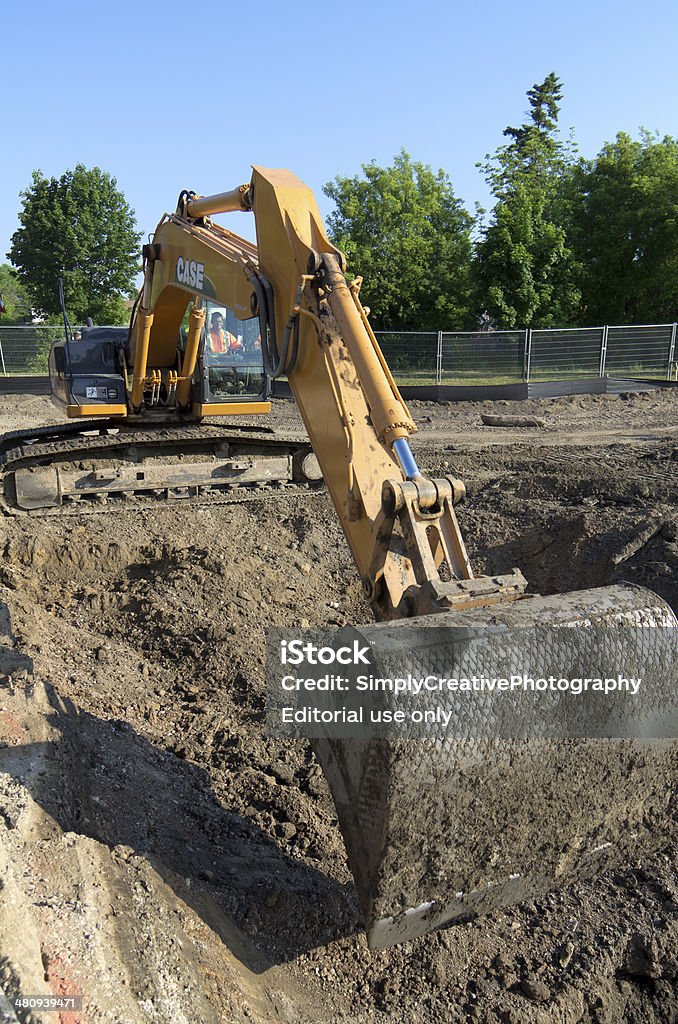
{"x":439,"y":359}
{"x":672,"y":352}
{"x":2,"y":357}
{"x":527,"y":355}
{"x":603,"y":352}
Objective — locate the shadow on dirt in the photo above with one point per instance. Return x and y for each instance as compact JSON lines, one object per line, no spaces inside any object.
{"x":575,"y":553}
{"x":106,"y":782}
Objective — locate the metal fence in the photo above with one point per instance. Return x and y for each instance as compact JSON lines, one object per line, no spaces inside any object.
{"x":486,"y":357}
{"x":412,"y":356}
{"x":24,"y":350}
{"x":510,"y":357}
{"x":458,"y":357}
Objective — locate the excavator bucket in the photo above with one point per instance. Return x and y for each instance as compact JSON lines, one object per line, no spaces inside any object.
{"x":517,"y":792}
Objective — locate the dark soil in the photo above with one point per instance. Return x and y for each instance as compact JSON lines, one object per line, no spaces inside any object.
{"x":160,"y":855}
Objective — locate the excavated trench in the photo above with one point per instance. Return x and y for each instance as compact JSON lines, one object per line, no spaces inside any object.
{"x":174,"y":864}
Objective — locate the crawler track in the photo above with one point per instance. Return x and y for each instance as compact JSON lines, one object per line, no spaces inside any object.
{"x":97,"y":467}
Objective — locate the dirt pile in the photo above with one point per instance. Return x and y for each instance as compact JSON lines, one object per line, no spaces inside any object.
{"x":165,"y":858}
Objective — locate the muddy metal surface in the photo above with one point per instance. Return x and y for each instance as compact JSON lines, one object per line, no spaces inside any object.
{"x":159,"y":855}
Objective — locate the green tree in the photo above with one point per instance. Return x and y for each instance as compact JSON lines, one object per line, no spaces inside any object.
{"x":526,"y":274}
{"x":405,"y":232}
{"x":79,"y":226}
{"x":623,"y":224}
{"x":15,"y":300}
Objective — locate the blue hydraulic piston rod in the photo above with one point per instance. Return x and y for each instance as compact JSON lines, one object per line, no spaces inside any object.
{"x":406,"y":459}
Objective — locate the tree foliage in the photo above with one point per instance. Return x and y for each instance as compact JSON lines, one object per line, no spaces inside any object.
{"x":526,"y":273}
{"x":15,"y":299}
{"x":403,"y":229}
{"x":81,"y":227}
{"x":623,"y":224}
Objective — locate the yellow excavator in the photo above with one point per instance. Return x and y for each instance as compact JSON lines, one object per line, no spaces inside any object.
{"x":436,"y":830}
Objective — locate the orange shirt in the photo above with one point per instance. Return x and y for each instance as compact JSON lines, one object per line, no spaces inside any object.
{"x":218,"y":341}
{"x":222,"y":341}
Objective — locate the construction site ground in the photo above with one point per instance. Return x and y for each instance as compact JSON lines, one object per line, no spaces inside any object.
{"x":161,"y":856}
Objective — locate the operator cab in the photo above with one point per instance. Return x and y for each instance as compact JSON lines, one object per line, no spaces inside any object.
{"x":230,"y":366}
{"x":90,"y":370}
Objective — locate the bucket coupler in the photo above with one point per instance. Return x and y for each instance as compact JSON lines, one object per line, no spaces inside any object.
{"x":417,"y":535}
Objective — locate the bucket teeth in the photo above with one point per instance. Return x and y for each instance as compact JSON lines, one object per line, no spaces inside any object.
{"x":442,"y":827}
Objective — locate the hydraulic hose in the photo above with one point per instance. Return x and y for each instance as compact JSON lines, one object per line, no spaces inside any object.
{"x":277,"y":361}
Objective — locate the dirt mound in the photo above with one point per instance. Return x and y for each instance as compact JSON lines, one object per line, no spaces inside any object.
{"x":166,"y":859}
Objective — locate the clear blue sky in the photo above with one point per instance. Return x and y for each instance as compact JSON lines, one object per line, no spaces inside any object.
{"x":175,"y":95}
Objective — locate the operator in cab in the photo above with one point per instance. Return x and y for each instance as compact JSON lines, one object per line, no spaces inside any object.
{"x":221,"y":341}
